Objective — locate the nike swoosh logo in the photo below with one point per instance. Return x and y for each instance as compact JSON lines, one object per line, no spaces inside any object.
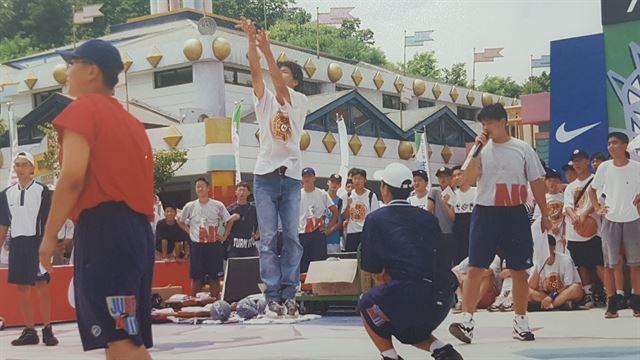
{"x":564,"y":136}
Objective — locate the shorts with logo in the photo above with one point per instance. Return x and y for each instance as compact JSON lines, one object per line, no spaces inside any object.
{"x":503,"y":230}
{"x":240,"y":248}
{"x":404,"y":309}
{"x":206,"y":261}
{"x":113,"y":258}
{"x":24,"y":261}
{"x":586,"y":253}
{"x":616,"y":235}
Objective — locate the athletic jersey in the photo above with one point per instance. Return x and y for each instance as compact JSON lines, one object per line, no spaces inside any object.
{"x":25,"y":210}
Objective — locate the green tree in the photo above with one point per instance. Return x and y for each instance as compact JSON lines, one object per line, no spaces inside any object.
{"x":456,"y":75}
{"x":165,"y":165}
{"x":11,"y":48}
{"x":423,"y":64}
{"x":115,"y":12}
{"x":255,"y":10}
{"x":536,"y":84}
{"x":44,"y":22}
{"x":348,"y":41}
{"x":499,"y":85}
{"x":53,"y":149}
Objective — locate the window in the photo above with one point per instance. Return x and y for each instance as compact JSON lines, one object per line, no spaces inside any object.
{"x":39,"y":98}
{"x":466,"y":113}
{"x":445,"y":131}
{"x":172,"y":77}
{"x":310,"y":88}
{"x":239,"y":77}
{"x":426,"y":103}
{"x":392,"y":102}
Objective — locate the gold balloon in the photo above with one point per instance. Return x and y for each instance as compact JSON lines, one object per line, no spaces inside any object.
{"x":60,"y":73}
{"x":192,"y":49}
{"x":221,"y":48}
{"x":405,"y":150}
{"x":419,"y":87}
{"x":305,"y":140}
{"x":334,"y":72}
{"x":487,"y":99}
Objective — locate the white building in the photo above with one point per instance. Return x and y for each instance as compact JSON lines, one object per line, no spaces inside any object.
{"x":176,"y":77}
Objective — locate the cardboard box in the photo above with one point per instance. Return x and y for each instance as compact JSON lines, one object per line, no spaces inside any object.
{"x":167,"y":291}
{"x":336,"y":277}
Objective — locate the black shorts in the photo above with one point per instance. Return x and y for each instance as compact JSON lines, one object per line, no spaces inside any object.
{"x":461,"y":229}
{"x":113,"y":258}
{"x":353,"y":241}
{"x":207,"y":261}
{"x":314,"y":247}
{"x":447,"y":248}
{"x":586,"y":253}
{"x":404,"y":309}
{"x":500,"y":229}
{"x":24,"y":261}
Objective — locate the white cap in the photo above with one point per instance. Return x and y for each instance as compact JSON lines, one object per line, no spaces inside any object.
{"x":27,"y":156}
{"x":396,"y":175}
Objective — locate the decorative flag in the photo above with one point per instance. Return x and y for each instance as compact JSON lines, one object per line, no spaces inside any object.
{"x":235,"y":137}
{"x":344,"y":149}
{"x":488,"y":55}
{"x":418,"y":38}
{"x":543,"y":62}
{"x":335,"y":16}
{"x":86,"y":14}
{"x":422,"y":155}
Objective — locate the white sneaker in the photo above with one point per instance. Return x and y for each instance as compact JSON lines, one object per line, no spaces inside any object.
{"x":274,"y":310}
{"x":463,"y":330}
{"x":521,"y":330}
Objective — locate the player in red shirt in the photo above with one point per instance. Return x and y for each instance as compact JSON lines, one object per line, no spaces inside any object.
{"x":106,"y":187}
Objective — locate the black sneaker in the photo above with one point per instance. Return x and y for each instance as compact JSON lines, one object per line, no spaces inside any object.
{"x":634,"y":303}
{"x":521,"y":330}
{"x":274,"y":310}
{"x":446,"y":352}
{"x":463,"y":331}
{"x":28,"y":337}
{"x":291,"y":309}
{"x":47,"y":336}
{"x":612,"y":307}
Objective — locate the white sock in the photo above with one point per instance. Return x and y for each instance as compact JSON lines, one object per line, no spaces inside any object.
{"x":436,"y":345}
{"x":467,"y":317}
{"x":620,"y":292}
{"x":391,"y":354}
{"x":587,"y":289}
{"x":522,"y":321}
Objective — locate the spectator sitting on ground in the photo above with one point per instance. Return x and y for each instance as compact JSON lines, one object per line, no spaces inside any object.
{"x":504,"y":301}
{"x":555,"y":283}
{"x":488,"y":288}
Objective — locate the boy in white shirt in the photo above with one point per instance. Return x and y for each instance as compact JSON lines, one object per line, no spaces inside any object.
{"x":619,"y":180}
{"x":361,"y":203}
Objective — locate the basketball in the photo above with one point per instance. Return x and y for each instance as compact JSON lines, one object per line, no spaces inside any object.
{"x":588,"y":228}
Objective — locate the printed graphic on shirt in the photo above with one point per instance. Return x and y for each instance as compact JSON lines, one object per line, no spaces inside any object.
{"x":281,"y":126}
{"x":554,"y":208}
{"x":313,"y":223}
{"x":513,"y":196}
{"x":358,"y":211}
{"x":584,"y":201}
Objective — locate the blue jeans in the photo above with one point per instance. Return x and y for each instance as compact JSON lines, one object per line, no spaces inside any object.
{"x":278,"y":196}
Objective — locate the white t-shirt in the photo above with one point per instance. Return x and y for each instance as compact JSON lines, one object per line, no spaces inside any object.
{"x":419,"y":202}
{"x":495,"y":266}
{"x":280,"y":131}
{"x":571,"y":193}
{"x":313,"y":207}
{"x":359,"y":209}
{"x":67,"y":230}
{"x":620,"y":185}
{"x":563,"y":266}
{"x":555,"y":208}
{"x":204,"y":220}
{"x":505,"y":171}
{"x":463,"y":202}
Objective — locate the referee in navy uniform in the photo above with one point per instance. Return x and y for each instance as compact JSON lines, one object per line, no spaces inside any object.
{"x":414,"y":291}
{"x":24,"y":208}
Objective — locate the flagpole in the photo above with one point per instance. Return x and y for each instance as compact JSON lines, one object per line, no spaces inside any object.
{"x":473,"y":81}
{"x":73,"y":26}
{"x":531,"y":76}
{"x":317,"y":32}
{"x":404,"y":62}
{"x":264,"y":9}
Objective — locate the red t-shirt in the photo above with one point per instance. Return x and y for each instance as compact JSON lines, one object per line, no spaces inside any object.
{"x":121,"y":161}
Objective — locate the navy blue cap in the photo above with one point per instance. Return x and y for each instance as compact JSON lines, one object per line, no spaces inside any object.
{"x":335,"y":177}
{"x":579,"y":153}
{"x":553,"y":174}
{"x":308,"y":171}
{"x":423,"y":174}
{"x":99,"y":52}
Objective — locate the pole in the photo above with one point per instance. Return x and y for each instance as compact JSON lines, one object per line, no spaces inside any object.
{"x":73,"y":26}
{"x":404,"y":62}
{"x":531,"y":76}
{"x":126,"y":89}
{"x":473,"y":81}
{"x":264,"y":9}
{"x":317,"y":33}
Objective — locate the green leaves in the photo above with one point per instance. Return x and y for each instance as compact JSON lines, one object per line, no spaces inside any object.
{"x":165,"y":165}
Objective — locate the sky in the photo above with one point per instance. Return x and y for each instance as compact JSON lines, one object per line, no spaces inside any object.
{"x":521,"y":27}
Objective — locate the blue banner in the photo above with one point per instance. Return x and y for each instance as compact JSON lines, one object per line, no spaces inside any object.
{"x":578,"y":98}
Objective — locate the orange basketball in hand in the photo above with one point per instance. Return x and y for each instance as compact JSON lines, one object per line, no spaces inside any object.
{"x":588,"y":228}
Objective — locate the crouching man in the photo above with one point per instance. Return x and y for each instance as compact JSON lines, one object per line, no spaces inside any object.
{"x":415,"y":288}
{"x":555,"y":283}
